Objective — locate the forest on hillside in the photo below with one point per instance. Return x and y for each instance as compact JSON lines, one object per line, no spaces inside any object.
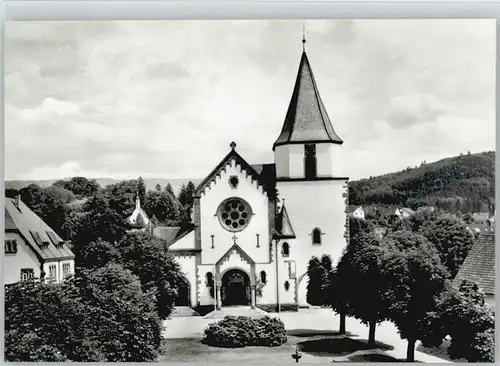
{"x":464,"y":183}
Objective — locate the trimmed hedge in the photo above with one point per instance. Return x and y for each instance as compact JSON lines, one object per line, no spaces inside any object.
{"x":242,"y":331}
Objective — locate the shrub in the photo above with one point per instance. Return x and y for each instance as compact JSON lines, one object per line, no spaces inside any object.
{"x":242,"y":331}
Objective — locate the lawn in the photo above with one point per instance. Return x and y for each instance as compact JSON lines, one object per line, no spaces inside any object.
{"x":315,"y":347}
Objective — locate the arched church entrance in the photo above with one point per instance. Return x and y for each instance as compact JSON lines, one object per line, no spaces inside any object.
{"x":235,"y":288}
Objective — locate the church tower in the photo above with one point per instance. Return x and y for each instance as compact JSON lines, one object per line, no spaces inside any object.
{"x":309,"y":176}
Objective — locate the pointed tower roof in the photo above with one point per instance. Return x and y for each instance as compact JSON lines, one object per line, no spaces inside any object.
{"x":284,"y":229}
{"x":306,"y":120}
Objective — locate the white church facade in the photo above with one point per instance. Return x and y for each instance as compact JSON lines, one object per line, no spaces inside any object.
{"x":255,"y":227}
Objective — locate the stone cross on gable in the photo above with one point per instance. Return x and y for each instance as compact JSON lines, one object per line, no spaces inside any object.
{"x":234,"y":239}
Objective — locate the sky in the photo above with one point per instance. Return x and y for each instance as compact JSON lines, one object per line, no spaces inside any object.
{"x":163,"y":99}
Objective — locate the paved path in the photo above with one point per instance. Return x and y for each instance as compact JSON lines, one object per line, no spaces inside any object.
{"x":307,"y":319}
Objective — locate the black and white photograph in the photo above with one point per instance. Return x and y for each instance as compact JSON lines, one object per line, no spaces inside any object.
{"x":250,"y":191}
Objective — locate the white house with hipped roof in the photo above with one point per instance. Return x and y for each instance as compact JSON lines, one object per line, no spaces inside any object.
{"x":32,"y":249}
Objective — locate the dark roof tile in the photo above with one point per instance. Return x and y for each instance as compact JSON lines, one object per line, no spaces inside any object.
{"x":479,"y":266}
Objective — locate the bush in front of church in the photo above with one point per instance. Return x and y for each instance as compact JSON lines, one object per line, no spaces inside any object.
{"x":242,"y":331}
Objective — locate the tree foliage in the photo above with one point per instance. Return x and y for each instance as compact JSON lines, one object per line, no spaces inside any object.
{"x":463,"y":315}
{"x":318,"y":271}
{"x":451,"y":238}
{"x":362,"y":265}
{"x":158,"y":272}
{"x":164,"y":206}
{"x":415,"y":279}
{"x":98,"y":315}
{"x":464,"y":183}
{"x":80,"y":186}
{"x":186,"y":199}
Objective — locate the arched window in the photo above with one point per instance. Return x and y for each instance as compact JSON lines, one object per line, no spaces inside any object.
{"x":316,"y":236}
{"x":263,"y":277}
{"x":286,"y":249}
{"x":287,"y":285}
{"x":209,"y":278}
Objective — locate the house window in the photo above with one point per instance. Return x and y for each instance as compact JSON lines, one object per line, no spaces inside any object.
{"x":287,"y":285}
{"x":209,"y":277}
{"x":52,"y":273}
{"x":66,"y":270}
{"x":10,"y":246}
{"x":286,"y":249}
{"x":27,"y":274}
{"x":310,"y":161}
{"x":263,"y":277}
{"x":316,"y":236}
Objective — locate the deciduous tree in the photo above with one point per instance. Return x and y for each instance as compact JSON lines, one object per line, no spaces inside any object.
{"x":415,"y":279}
{"x":147,"y":257}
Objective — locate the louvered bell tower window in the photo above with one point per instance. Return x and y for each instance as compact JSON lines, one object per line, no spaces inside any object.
{"x":310,"y":161}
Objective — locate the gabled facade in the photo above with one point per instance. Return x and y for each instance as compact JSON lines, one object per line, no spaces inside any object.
{"x":138,"y":216}
{"x":32,"y":250}
{"x":244,"y":235}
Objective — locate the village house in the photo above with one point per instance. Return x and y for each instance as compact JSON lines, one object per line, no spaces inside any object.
{"x":256,"y":226}
{"x":479,"y":266}
{"x":32,"y":249}
{"x":358,"y":213}
{"x":404,"y":213}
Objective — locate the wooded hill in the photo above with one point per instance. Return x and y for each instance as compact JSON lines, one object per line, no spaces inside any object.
{"x":464,"y":183}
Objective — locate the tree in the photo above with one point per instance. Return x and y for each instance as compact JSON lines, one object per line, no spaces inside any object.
{"x":99,"y":254}
{"x":470,"y":323}
{"x":98,"y":315}
{"x":51,"y":204}
{"x":186,"y":199}
{"x":362,"y":267}
{"x":316,"y":294}
{"x":98,"y":221}
{"x":451,"y":238}
{"x":158,"y":272}
{"x":337,"y":289}
{"x":169,"y":189}
{"x":158,"y":188}
{"x":141,"y":190}
{"x":80,"y":186}
{"x":415,"y":279}
{"x":164,"y":206}
{"x":121,"y":197}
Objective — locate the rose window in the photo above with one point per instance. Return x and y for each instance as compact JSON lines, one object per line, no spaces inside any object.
{"x":234,"y":214}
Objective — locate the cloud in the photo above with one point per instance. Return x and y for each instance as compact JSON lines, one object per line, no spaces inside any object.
{"x":166,"y":98}
{"x":407,"y":110}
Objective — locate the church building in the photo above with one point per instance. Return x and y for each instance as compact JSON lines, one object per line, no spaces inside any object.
{"x":256,"y":226}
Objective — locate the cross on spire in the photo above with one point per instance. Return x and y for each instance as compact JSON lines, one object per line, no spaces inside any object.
{"x":303,"y":37}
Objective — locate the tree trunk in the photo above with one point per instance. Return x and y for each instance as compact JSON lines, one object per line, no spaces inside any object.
{"x":410,"y":351}
{"x":342,"y":323}
{"x":371,"y":334}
